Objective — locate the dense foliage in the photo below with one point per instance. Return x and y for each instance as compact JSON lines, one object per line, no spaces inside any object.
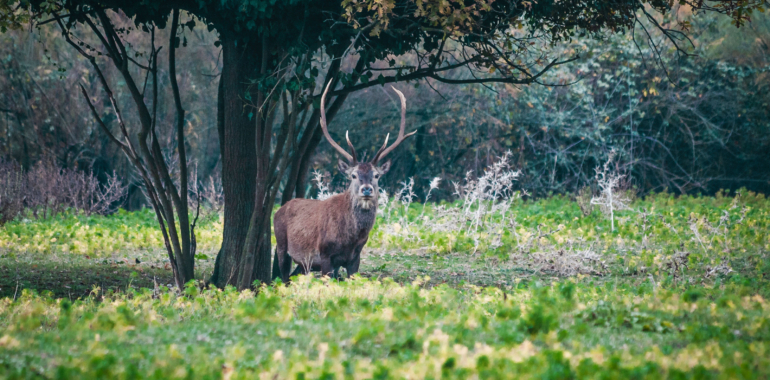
{"x":491,"y":280}
{"x":694,"y":124}
{"x":690,"y":124}
{"x":41,"y":119}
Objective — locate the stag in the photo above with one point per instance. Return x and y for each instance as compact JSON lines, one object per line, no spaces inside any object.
{"x":329,"y":234}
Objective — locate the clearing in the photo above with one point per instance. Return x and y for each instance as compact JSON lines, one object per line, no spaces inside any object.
{"x":537,"y":289}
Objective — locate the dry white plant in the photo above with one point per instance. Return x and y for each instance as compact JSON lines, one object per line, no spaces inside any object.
{"x":610,"y":198}
{"x":383,"y":201}
{"x":485,"y":202}
{"x":406,"y":196}
{"x":721,"y":269}
{"x":433,"y":186}
{"x":693,"y":223}
{"x":323,"y":189}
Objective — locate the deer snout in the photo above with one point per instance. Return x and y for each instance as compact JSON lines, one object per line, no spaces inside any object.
{"x":367,"y":190}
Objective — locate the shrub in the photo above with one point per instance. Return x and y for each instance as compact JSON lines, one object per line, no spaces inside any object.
{"x":46,"y":190}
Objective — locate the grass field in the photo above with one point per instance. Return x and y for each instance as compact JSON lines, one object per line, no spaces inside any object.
{"x":547,"y":290}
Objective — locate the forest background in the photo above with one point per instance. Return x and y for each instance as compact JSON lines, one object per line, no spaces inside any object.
{"x":686,"y":123}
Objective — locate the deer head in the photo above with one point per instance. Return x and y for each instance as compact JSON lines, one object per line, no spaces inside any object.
{"x":364,"y":176}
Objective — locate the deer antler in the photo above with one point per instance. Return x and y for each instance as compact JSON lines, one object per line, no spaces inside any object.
{"x":342,"y":152}
{"x":353,"y":150}
{"x":401,"y":137}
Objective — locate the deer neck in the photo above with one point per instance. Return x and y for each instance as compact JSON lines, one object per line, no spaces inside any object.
{"x":363,"y":213}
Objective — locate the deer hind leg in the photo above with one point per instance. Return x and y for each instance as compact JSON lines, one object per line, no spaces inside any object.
{"x":284,"y":262}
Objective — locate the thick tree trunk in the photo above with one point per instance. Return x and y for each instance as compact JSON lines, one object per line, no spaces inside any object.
{"x":239,"y":152}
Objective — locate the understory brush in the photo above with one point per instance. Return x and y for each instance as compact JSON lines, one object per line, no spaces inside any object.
{"x":46,"y":190}
{"x":686,"y":238}
{"x":660,"y":235}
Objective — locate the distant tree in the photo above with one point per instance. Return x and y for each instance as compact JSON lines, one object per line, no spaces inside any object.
{"x":273,"y":53}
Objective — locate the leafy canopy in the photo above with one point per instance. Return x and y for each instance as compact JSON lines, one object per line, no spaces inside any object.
{"x":498,"y":41}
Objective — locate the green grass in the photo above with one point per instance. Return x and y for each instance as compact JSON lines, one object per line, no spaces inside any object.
{"x":75,"y":276}
{"x":96,"y":235}
{"x":420,"y":309}
{"x":70,"y":254}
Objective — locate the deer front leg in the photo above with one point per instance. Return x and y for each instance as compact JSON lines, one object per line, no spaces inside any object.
{"x":329,"y":259}
{"x":336,"y":274}
{"x":355,"y":260}
{"x":326,"y":267}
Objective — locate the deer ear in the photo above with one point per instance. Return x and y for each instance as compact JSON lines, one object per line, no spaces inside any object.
{"x":343,"y":166}
{"x":385,"y":167}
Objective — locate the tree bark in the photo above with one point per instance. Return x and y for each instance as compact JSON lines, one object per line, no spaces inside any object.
{"x":300,"y":187}
{"x":239,"y":152}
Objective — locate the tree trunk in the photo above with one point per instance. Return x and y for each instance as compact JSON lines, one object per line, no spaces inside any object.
{"x":239,"y":151}
{"x":300,"y":187}
{"x":295,"y":184}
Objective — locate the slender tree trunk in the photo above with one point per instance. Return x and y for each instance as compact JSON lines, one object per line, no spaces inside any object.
{"x":239,"y":152}
{"x":186,"y":258}
{"x":301,"y":186}
{"x":297,"y":181}
{"x":295,"y":184}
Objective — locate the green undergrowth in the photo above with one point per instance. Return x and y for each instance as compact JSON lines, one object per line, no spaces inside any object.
{"x":679,"y":290}
{"x":70,"y":254}
{"x":369,"y":329}
{"x":662,"y":222}
{"x":668,"y":219}
{"x":97,"y":235}
{"x":660,"y":233}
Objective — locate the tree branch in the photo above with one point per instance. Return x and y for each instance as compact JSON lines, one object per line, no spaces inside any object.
{"x":433,"y":74}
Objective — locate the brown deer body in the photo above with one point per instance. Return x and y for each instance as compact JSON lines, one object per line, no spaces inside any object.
{"x":329,"y":234}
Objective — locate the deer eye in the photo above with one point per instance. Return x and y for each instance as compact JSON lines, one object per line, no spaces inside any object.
{"x":353,"y":176}
{"x":376,"y":176}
